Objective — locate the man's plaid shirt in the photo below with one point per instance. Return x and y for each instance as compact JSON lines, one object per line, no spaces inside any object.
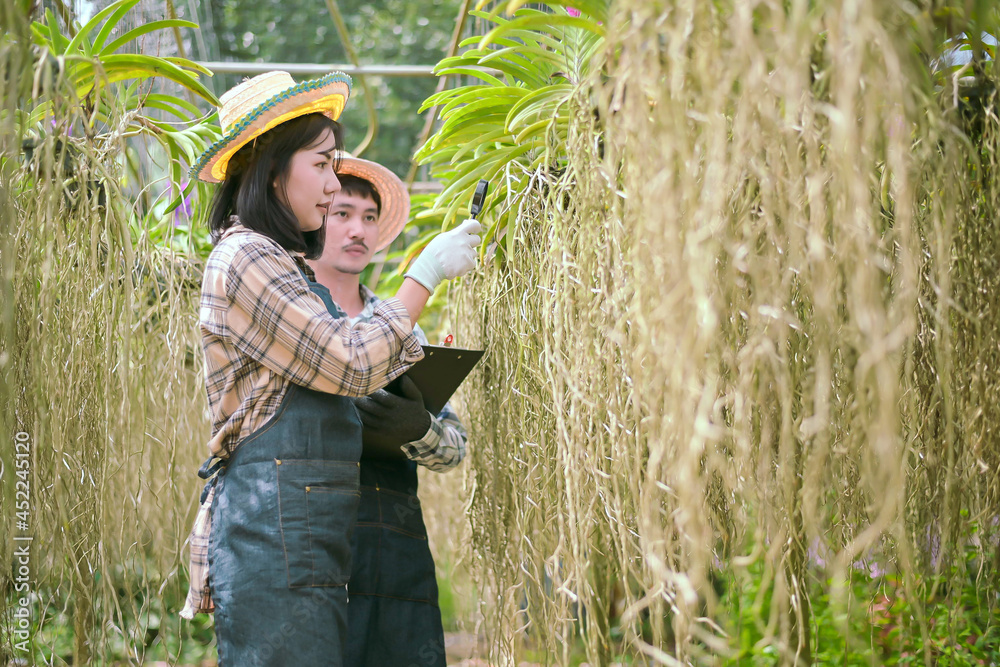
{"x":262,"y":329}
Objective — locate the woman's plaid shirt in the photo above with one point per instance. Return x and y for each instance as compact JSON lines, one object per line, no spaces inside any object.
{"x":262,"y":329}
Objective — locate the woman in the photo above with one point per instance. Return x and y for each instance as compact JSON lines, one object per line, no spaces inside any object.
{"x":286,"y":438}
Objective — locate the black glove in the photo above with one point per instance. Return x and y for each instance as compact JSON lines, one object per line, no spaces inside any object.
{"x":391,"y":421}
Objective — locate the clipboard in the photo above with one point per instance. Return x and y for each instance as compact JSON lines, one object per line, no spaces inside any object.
{"x":439,"y":374}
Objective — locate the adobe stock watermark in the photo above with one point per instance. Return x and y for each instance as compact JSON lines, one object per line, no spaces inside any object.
{"x":21,"y":561}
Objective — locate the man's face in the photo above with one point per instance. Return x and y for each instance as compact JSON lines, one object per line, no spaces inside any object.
{"x":351,"y":233}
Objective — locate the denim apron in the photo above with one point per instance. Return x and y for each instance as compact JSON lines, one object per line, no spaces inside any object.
{"x":279,"y":552}
{"x":393,"y":615}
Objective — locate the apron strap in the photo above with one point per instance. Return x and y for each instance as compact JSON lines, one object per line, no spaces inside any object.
{"x":304,"y":268}
{"x":209,"y":471}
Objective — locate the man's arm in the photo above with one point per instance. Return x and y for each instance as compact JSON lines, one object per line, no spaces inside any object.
{"x":391,"y":421}
{"x":398,"y":425}
{"x":443,"y":446}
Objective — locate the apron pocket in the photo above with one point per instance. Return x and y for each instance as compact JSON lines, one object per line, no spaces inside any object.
{"x":401,"y":512}
{"x":317,"y":508}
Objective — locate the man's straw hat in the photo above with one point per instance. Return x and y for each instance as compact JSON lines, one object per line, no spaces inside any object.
{"x":395,"y":199}
{"x":264,"y":102}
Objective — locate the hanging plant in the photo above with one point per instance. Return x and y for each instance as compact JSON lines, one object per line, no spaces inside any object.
{"x":509,"y":124}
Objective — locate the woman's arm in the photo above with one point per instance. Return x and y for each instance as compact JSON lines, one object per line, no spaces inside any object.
{"x":414,"y":297}
{"x":272,"y":317}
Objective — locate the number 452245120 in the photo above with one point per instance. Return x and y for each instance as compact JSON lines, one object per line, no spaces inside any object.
{"x":23,"y":471}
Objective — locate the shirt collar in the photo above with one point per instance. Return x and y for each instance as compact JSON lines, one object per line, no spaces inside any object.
{"x":368,"y":296}
{"x":370,"y":301}
{"x":236,"y":227}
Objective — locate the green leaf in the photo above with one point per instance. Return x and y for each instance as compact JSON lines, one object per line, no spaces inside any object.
{"x":179,"y":199}
{"x":523,"y":71}
{"x":494,"y":116}
{"x":596,"y":9}
{"x":40,"y":35}
{"x":471,"y":135}
{"x":145,"y":29}
{"x":534,"y":129}
{"x":442,"y":97}
{"x":81,"y":36}
{"x":178,"y":106}
{"x":486,"y":168}
{"x":529,"y":39}
{"x":545,"y":22}
{"x":470,"y":42}
{"x":122,"y":66}
{"x":465,"y":103}
{"x":453,"y":125}
{"x":537,"y":55}
{"x":467,"y":71}
{"x":483,"y":139}
{"x":121,"y":8}
{"x":543,"y":101}
{"x":190,"y":64}
{"x":470,"y":57}
{"x":492,"y":16}
{"x":534,"y":73}
{"x":57,"y":40}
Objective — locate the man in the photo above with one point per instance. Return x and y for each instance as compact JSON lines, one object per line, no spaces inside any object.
{"x":393,"y":614}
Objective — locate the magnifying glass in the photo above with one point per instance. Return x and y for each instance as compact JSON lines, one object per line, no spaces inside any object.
{"x":479,"y":198}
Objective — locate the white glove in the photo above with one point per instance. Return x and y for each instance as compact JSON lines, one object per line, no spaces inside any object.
{"x":448,"y":255}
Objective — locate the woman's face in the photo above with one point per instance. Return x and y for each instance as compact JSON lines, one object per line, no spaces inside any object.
{"x":310,"y":183}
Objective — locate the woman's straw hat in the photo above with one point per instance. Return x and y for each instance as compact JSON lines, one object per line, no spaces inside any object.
{"x":395,"y":199}
{"x":263,"y":102}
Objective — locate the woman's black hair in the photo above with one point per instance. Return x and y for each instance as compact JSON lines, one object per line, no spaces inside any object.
{"x":248,"y":193}
{"x":359,"y":187}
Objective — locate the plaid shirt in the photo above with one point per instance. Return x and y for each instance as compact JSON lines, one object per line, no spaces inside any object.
{"x":443,"y":446}
{"x":262,"y":329}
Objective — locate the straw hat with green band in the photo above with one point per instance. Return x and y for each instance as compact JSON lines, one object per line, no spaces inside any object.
{"x":263,"y":102}
{"x":395,"y":209}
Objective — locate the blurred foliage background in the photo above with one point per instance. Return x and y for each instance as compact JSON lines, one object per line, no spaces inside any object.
{"x":739,"y":399}
{"x":302,"y":31}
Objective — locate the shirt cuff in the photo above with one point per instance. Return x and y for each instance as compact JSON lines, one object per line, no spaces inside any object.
{"x":393,"y":313}
{"x":426,"y":446}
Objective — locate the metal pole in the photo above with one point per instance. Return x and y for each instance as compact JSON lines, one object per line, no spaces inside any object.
{"x":314,"y":69}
